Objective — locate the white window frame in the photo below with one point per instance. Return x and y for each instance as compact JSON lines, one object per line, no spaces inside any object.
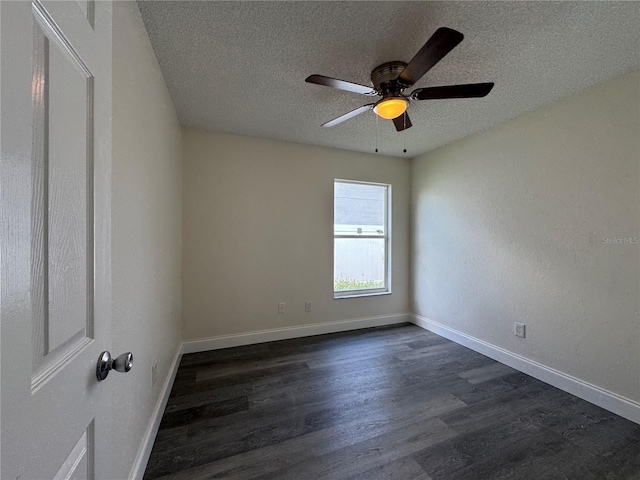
{"x":368,"y":292}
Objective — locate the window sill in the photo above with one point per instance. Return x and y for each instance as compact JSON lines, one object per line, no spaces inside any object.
{"x":358,"y":295}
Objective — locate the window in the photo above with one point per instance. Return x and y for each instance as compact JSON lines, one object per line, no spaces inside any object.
{"x":360,"y":238}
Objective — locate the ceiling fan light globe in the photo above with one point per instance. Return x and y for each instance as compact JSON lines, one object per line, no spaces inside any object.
{"x":391,"y":108}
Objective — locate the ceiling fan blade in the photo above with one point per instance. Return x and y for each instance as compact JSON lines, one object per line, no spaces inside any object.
{"x":471,"y":90}
{"x":340,"y":84}
{"x":402,"y":122}
{"x":347,"y":116}
{"x":442,"y":42}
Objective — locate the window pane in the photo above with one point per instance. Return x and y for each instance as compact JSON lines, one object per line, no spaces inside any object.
{"x":359,"y":209}
{"x":358,"y":263}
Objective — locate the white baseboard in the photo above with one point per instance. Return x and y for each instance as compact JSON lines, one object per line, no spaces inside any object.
{"x":260,"y":336}
{"x":617,"y":404}
{"x":144,"y":452}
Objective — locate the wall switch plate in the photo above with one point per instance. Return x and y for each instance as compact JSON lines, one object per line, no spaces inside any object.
{"x":154,"y":373}
{"x":281,"y":307}
{"x":307,"y":306}
{"x":519,"y":329}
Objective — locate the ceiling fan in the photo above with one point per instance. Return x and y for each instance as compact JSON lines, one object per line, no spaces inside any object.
{"x":392,"y":78}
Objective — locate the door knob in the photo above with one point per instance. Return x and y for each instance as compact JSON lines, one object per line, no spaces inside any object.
{"x":122,"y":363}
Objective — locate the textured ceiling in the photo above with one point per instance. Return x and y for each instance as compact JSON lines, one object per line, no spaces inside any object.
{"x":239,"y":67}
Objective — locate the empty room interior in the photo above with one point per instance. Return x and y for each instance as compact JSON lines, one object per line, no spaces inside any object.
{"x":320,"y":240}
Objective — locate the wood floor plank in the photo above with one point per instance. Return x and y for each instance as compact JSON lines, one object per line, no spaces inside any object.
{"x":491,"y":412}
{"x":479,"y":453}
{"x":405,"y":468}
{"x":315,"y":359}
{"x":260,"y":374}
{"x":397,"y":402}
{"x":487,"y":372}
{"x":360,"y":381}
{"x":471,"y":394}
{"x":204,"y":396}
{"x":371,"y":453}
{"x":430,"y":351}
{"x":189,"y":416}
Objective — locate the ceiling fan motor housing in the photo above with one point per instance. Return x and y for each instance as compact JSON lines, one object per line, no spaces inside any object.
{"x":384,"y":78}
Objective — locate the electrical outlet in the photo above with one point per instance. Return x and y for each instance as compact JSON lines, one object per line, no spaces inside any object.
{"x":307,"y":306}
{"x":281,"y":307}
{"x":519,"y":329}
{"x":154,"y":373}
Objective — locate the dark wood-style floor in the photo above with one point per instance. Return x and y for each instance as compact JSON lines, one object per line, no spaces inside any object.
{"x":383,"y":403}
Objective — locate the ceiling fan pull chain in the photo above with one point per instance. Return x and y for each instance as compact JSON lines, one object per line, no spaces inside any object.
{"x":404,"y":132}
{"x":376,"y":133}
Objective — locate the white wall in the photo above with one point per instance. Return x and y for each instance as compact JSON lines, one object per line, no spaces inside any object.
{"x":146,"y":235}
{"x":510,"y":225}
{"x":258,"y":230}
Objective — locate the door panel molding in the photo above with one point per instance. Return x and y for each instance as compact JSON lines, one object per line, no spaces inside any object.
{"x":62,"y":280}
{"x":79,"y":462}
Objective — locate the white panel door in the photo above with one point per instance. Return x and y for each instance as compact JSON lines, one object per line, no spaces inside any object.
{"x":55,"y":289}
